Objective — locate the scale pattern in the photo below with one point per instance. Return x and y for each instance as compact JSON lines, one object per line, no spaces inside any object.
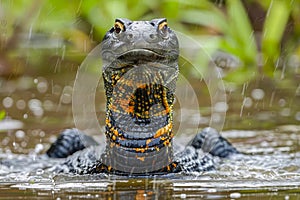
{"x":140,"y":72}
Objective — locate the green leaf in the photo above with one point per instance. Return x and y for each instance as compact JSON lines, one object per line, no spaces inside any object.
{"x":2,"y":114}
{"x":241,"y":75}
{"x":276,"y":20}
{"x":214,"y":19}
{"x":241,"y":33}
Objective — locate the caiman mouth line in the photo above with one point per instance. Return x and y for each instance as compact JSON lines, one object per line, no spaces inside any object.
{"x":142,"y":55}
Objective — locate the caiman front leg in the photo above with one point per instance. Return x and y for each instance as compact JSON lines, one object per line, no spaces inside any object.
{"x":81,"y":151}
{"x":210,"y":141}
{"x":68,"y":142}
{"x":202,"y":151}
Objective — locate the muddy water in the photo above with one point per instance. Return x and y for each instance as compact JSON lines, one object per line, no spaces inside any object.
{"x":261,"y":123}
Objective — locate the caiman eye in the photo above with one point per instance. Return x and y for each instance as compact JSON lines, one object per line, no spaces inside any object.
{"x":163,"y":27}
{"x":119,"y":27}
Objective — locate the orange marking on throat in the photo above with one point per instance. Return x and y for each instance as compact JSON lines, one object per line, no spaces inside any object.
{"x":142,"y":150}
{"x":140,"y":158}
{"x":163,"y":130}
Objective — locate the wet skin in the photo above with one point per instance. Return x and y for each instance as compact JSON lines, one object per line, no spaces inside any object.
{"x":140,"y":69}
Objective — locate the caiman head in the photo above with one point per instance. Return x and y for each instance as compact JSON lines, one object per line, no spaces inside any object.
{"x":140,"y":72}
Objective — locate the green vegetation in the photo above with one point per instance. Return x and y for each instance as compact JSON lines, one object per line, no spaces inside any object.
{"x":2,"y":114}
{"x":37,"y":31}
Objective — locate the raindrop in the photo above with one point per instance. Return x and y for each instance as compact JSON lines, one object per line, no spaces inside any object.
{"x":287,"y":197}
{"x":42,"y":134}
{"x":52,"y":138}
{"x":35,"y":106}
{"x":56,"y":89}
{"x":24,"y":83}
{"x":298,"y":91}
{"x":39,"y":171}
{"x":294,"y":61}
{"x":258,"y":94}
{"x":7,"y":102}
{"x":42,"y":87}
{"x":216,"y":117}
{"x":23,"y":144}
{"x":21,"y":104}
{"x":235,"y":195}
{"x":221,"y":107}
{"x":5,"y":141}
{"x":285,"y":112}
{"x":182,"y":196}
{"x":282,"y":102}
{"x":38,"y":148}
{"x":212,"y":190}
{"x":247,"y":102}
{"x":20,"y":134}
{"x":48,"y":105}
{"x":297,"y":116}
{"x":25,"y":116}
{"x":66,"y":97}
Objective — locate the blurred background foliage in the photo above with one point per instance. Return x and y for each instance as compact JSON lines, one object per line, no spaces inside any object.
{"x":263,"y":35}
{"x":259,"y":33}
{"x":255,"y":44}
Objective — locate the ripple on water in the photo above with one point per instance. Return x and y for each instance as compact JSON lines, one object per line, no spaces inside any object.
{"x":270,"y":166}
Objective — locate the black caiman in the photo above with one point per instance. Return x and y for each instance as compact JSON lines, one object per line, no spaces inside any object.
{"x":140,"y":69}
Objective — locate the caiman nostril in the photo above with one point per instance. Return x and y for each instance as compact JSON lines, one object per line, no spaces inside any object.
{"x":130,"y":36}
{"x":152,"y":36}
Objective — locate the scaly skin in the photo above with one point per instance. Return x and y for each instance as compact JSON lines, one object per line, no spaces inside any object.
{"x":140,"y":72}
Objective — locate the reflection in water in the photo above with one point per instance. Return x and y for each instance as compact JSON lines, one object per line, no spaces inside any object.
{"x":271,"y":167}
{"x":37,"y":108}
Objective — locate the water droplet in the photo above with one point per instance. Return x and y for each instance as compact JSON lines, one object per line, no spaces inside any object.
{"x":42,"y":134}
{"x":282,"y":102}
{"x":235,"y":195}
{"x":216,"y":117}
{"x":35,"y":106}
{"x":297,"y":116}
{"x":52,"y":138}
{"x":285,"y":112}
{"x":7,"y":102}
{"x":38,"y":148}
{"x":39,"y":171}
{"x":23,"y":144}
{"x":212,"y":190}
{"x":182,"y":196}
{"x":56,"y":89}
{"x":42,"y":87}
{"x":297,"y":93}
{"x":221,"y":107}
{"x":287,"y":197}
{"x":66,"y":96}
{"x":48,"y":105}
{"x":258,"y":94}
{"x":247,"y":102}
{"x":21,"y":104}
{"x":20,"y":134}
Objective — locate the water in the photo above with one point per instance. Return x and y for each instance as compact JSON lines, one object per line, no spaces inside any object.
{"x":260,"y":123}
